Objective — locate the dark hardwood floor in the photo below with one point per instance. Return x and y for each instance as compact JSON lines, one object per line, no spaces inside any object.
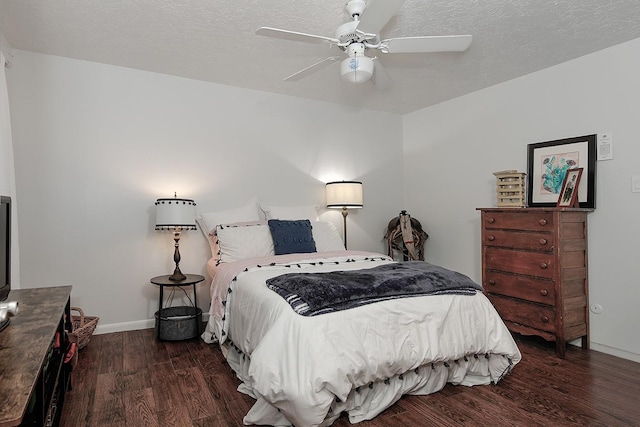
{"x":130,"y":379}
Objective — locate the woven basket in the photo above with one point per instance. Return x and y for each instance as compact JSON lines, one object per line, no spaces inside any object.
{"x":83,"y":327}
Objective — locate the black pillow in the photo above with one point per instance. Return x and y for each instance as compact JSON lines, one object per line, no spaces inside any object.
{"x":292,"y":237}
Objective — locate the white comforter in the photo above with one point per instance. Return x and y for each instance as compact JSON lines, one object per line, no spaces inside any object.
{"x":307,"y":370}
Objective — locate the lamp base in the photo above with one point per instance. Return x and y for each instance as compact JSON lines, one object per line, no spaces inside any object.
{"x":344,"y":225}
{"x":177,"y":276}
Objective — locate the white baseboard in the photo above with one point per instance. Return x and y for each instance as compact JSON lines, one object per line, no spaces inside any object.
{"x":132,"y":326}
{"x":125,"y":326}
{"x":634,"y":357}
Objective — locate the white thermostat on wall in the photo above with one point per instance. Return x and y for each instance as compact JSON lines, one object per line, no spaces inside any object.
{"x":605,"y":146}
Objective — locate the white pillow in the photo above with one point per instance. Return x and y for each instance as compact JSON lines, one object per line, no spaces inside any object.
{"x":250,"y":211}
{"x":241,"y":241}
{"x":326,"y":236}
{"x":309,"y":212}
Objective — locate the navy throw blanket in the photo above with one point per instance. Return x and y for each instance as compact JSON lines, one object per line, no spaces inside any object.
{"x":310,"y":294}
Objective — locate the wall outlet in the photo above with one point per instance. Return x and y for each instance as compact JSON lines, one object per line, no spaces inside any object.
{"x":596,"y":308}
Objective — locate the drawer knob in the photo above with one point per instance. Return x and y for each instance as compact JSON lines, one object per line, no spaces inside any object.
{"x":491,"y":220}
{"x":544,"y":292}
{"x":543,"y":242}
{"x":491,"y":238}
{"x":545,"y":319}
{"x":543,"y":222}
{"x":492,"y":282}
{"x":544,"y":265}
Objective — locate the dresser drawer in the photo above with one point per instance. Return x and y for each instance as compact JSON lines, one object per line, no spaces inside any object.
{"x":538,"y":264}
{"x":529,"y":314}
{"x":533,"y":221}
{"x":523,"y":287}
{"x":510,"y":239}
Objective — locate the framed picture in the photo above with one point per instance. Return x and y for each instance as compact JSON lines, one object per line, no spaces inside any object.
{"x":548,"y":163}
{"x":569,"y":193}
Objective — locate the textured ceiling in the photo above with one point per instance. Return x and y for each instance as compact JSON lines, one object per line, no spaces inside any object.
{"x":215,"y":41}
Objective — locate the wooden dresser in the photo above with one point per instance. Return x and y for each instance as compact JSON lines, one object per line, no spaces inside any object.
{"x":534,"y":271}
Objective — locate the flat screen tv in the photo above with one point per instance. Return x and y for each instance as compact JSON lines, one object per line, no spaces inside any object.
{"x":5,"y":247}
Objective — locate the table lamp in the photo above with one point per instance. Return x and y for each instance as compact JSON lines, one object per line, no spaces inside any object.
{"x":176,"y":215}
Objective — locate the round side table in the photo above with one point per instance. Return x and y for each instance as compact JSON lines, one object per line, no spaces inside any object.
{"x":182,"y":322}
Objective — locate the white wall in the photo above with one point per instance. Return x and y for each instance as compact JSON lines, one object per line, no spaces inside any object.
{"x":451,"y":150}
{"x":7,"y":172}
{"x":95,"y":145}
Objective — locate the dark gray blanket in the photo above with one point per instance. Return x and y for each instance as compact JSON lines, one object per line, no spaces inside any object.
{"x":310,"y":294}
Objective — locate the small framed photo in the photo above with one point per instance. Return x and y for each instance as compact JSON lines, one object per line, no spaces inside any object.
{"x":569,"y":193}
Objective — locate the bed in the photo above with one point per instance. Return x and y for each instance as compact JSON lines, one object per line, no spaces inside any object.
{"x":308,"y":369}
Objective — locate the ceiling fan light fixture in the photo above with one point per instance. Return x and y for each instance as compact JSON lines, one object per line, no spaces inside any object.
{"x":357,"y":68}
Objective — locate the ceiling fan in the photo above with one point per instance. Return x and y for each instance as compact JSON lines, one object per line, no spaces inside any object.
{"x":360,"y":35}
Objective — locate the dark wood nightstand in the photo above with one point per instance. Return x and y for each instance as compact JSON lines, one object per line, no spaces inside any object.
{"x":182,"y":322}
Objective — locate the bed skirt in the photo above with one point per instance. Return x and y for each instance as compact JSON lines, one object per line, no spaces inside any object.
{"x":369,"y":400}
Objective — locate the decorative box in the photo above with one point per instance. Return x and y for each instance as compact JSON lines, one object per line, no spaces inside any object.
{"x":510,"y":188}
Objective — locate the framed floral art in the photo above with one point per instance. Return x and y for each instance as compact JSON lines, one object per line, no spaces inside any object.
{"x":548,"y":163}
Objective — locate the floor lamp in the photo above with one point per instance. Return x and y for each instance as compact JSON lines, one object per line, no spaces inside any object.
{"x":344,"y":195}
{"x":176,"y":215}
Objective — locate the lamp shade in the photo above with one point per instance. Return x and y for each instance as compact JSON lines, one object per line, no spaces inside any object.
{"x":344,"y":194}
{"x":175,"y":213}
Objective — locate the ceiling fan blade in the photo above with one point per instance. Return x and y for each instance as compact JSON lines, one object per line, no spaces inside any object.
{"x":294,"y":35}
{"x":377,"y":14}
{"x":311,"y":69}
{"x":427,"y":44}
{"x":380,"y":78}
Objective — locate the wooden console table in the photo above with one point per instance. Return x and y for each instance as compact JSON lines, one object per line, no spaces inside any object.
{"x":33,"y":379}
